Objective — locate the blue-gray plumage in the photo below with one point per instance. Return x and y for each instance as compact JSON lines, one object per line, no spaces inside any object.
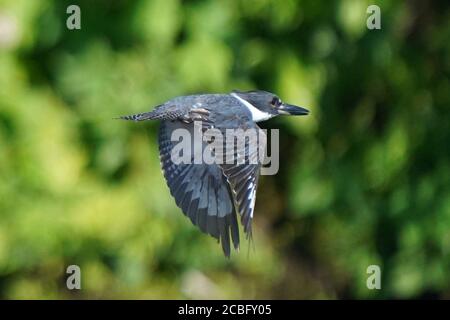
{"x":212,"y":195}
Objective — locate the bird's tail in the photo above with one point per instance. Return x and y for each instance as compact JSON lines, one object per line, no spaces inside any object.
{"x":139,"y":117}
{"x":155,"y":114}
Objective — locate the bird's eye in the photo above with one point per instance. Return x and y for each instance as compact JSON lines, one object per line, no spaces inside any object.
{"x":276,"y":102}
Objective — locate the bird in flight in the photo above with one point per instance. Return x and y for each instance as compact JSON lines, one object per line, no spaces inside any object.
{"x":213,"y":194}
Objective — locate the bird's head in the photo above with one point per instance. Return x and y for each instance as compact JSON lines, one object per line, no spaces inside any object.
{"x":267,"y":105}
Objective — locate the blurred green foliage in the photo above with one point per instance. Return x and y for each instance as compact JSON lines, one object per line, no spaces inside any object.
{"x":364,"y":180}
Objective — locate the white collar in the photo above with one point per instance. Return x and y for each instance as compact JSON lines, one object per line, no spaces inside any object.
{"x":257,"y":115}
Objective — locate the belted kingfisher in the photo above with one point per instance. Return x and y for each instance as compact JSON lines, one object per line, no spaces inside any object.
{"x":212,"y":195}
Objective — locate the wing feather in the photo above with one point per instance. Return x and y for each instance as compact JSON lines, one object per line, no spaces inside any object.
{"x":200,"y":191}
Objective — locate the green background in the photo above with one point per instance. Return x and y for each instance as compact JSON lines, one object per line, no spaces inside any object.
{"x":365,"y":179}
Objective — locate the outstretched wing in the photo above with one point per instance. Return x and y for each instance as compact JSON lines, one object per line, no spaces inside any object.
{"x":200,"y":190}
{"x":247,"y":150}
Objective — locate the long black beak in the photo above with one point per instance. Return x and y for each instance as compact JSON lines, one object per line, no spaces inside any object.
{"x":292,"y":110}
